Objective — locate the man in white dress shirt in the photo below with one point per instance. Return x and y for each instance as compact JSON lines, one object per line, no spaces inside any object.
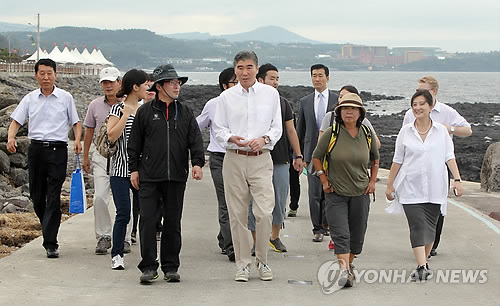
{"x":248,"y":124}
{"x":451,"y":119}
{"x":51,"y":111}
{"x":227,"y":79}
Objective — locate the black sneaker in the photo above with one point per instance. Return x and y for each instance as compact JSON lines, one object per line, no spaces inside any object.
{"x":231,"y":256}
{"x":351,"y":270}
{"x":52,"y":253}
{"x":253,"y":251}
{"x":277,"y":245}
{"x":148,"y":277}
{"x":133,"y":238}
{"x":421,"y":273}
{"x":172,"y":277}
{"x":292,"y":213}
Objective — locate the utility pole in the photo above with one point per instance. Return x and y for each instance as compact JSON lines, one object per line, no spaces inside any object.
{"x":38,"y":38}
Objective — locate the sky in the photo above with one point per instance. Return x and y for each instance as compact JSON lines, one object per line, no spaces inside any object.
{"x":452,"y":25}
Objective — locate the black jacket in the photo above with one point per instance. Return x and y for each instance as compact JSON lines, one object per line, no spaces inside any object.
{"x":159,"y":149}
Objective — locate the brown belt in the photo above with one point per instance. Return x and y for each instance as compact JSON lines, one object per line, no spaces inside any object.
{"x":247,"y":153}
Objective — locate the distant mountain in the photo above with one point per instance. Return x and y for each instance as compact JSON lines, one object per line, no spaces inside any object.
{"x":271,"y":34}
{"x":191,"y":36}
{"x":268,"y":34}
{"x":15,"y":27}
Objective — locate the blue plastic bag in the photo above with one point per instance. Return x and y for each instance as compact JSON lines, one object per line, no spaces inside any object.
{"x":77,"y":198}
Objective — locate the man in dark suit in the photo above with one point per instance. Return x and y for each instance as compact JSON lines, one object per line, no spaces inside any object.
{"x":312,"y":110}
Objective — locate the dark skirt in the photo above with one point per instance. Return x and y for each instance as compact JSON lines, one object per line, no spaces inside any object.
{"x":422,"y":220}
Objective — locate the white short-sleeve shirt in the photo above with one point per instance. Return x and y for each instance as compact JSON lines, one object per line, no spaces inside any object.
{"x":49,"y":117}
{"x":441,"y":113}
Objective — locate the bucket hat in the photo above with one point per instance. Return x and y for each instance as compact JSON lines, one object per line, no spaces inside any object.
{"x":166,"y":72}
{"x":350,"y":99}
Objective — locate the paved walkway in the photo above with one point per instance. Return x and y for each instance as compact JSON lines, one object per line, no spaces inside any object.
{"x":79,"y":277}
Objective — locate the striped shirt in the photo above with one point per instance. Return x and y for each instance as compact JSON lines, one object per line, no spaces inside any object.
{"x":120,"y":159}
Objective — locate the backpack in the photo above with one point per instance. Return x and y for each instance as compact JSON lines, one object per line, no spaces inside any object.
{"x":333,"y":141}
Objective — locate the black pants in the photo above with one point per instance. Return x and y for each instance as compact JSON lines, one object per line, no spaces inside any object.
{"x":135,"y":213}
{"x":439,"y":229}
{"x":224,"y":237}
{"x":294,"y":187}
{"x":151,"y":208}
{"x":47,"y":172}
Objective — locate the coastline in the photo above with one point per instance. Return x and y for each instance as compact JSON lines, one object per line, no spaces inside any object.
{"x":469,"y":151}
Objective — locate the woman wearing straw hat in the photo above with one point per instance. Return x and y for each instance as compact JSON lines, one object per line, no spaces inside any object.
{"x":346,"y":182}
{"x":418,"y":177}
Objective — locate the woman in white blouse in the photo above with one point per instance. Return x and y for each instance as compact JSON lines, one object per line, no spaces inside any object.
{"x":418,"y":177}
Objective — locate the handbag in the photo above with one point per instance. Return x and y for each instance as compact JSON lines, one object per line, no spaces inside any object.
{"x":105,"y":147}
{"x":77,"y":198}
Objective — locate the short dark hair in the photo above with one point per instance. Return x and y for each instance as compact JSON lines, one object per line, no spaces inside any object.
{"x":424,"y":93}
{"x":225,"y":77}
{"x":264,"y":69}
{"x":246,"y":55}
{"x":320,"y":66}
{"x":350,"y":89}
{"x":45,"y":62}
{"x":150,"y":77}
{"x":131,"y":78}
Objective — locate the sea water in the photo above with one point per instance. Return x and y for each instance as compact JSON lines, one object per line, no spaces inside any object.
{"x":454,"y":87}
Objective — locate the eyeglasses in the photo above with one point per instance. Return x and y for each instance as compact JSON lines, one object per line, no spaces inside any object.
{"x":233,"y":82}
{"x":174,"y":82}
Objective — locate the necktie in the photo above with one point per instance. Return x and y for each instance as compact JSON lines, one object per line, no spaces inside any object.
{"x":320,"y":114}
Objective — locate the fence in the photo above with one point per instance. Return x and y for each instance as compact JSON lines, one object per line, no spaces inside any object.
{"x":62,"y":70}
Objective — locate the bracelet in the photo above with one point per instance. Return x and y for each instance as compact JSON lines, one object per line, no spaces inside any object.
{"x":458,"y":180}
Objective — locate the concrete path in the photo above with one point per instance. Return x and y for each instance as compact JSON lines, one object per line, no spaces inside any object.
{"x":79,"y":277}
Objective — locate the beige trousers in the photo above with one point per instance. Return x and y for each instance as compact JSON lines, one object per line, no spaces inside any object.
{"x":245,"y":175}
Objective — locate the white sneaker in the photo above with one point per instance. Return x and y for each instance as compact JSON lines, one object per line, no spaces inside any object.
{"x":265,"y":272}
{"x":242,"y":274}
{"x":117,"y":263}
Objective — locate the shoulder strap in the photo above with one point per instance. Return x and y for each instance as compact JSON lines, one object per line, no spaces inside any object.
{"x":368,"y":134}
{"x":333,"y":137}
{"x":331,"y":144}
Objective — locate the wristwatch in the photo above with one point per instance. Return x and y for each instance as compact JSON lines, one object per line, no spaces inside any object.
{"x":452,"y":130}
{"x":320,"y":172}
{"x":267,"y":140}
{"x":299,"y":156}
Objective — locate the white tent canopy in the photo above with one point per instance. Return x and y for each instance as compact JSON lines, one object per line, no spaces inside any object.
{"x":43,"y":54}
{"x":56,"y":55}
{"x":80,"y":58}
{"x":106,"y":62}
{"x":68,"y":57}
{"x":88,"y":58}
{"x":74,"y":57}
{"x":99,"y":59}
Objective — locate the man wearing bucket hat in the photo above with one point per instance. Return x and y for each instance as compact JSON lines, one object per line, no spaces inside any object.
{"x":345,"y":181}
{"x":164,"y":134}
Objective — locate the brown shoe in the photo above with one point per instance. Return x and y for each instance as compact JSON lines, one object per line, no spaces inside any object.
{"x":318,"y":237}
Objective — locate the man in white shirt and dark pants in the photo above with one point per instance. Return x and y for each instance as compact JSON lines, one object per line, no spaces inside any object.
{"x":227,"y":79}
{"x":248,"y":124}
{"x":451,"y":119}
{"x":51,"y":111}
